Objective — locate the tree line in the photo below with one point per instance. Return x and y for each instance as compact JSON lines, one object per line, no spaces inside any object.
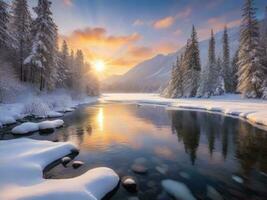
{"x":245,"y":73}
{"x":29,"y":52}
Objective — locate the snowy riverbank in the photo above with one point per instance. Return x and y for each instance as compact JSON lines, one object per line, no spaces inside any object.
{"x":21,"y":171}
{"x":252,"y":110}
{"x":42,"y":106}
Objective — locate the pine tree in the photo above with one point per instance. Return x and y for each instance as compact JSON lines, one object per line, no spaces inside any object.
{"x":192,"y":67}
{"x":234,"y":73}
{"x":226,"y":62}
{"x":78,"y":71}
{"x":20,"y":26}
{"x":4,"y":20}
{"x":220,"y":84}
{"x":64,"y":67}
{"x":251,"y":70}
{"x":43,"y":57}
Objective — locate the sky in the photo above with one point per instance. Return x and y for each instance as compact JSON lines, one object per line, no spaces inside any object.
{"x":123,"y":33}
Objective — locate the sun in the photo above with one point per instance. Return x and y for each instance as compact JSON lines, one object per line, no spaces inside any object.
{"x":99,"y":65}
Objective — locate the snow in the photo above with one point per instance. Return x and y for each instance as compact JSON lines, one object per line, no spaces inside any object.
{"x":252,"y":110}
{"x":177,"y":189}
{"x":51,"y":105}
{"x":51,"y":124}
{"x":25,"y":128}
{"x":21,"y":171}
{"x":30,"y":127}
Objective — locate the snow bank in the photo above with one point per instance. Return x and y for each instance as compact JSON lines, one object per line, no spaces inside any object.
{"x":21,"y":171}
{"x":42,"y":106}
{"x":30,"y":127}
{"x":253,"y":110}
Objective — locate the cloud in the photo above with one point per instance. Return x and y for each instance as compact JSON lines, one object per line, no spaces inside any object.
{"x":170,"y":20}
{"x":184,"y":13}
{"x":68,"y":2}
{"x":143,"y":52}
{"x":164,"y":23}
{"x":217,"y":24}
{"x":138,"y":22}
{"x":98,"y":37}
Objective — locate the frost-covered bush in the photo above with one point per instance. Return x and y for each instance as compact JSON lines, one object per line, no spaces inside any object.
{"x":9,"y":84}
{"x":58,"y":101}
{"x":36,"y":107}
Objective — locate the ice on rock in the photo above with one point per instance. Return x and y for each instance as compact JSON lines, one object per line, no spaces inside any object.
{"x":25,"y":128}
{"x":21,"y":172}
{"x":177,"y":189}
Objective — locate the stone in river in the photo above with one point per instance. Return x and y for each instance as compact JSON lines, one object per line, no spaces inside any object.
{"x":129,"y":184}
{"x":77,"y":164}
{"x":139,"y":169}
{"x":213,"y":194}
{"x":65,"y":160}
{"x":237,"y":179}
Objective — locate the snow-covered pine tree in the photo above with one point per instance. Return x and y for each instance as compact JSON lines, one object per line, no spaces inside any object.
{"x":78,"y":72}
{"x":251,"y":71}
{"x":209,"y":79}
{"x":20,"y":26}
{"x":4,"y":20}
{"x":234,"y":72}
{"x":63,"y":67}
{"x":191,"y":66}
{"x":220,"y":85}
{"x":174,"y":87}
{"x":43,"y":57}
{"x":226,"y":62}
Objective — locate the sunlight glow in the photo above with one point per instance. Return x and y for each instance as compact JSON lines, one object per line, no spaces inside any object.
{"x":99,"y":65}
{"x":100,"y":119}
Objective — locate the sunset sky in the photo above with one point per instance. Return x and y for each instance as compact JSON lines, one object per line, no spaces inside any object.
{"x":123,"y":33}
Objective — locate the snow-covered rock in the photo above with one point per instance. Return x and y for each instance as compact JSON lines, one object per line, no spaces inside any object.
{"x":51,"y":124}
{"x":237,"y":179}
{"x":129,"y":184}
{"x":7,"y":120}
{"x":25,"y":128}
{"x":30,"y":127}
{"x":21,"y":171}
{"x":77,"y":164}
{"x":177,"y":189}
{"x":54,"y":114}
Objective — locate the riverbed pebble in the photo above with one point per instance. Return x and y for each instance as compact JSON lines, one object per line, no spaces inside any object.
{"x":139,"y":168}
{"x":129,"y":184}
{"x":77,"y":164}
{"x":65,"y":160}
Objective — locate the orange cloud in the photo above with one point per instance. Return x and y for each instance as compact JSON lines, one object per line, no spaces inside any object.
{"x":164,"y":23}
{"x":67,"y":2}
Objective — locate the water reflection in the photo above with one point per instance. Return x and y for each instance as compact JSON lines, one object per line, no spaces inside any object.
{"x":209,"y":148}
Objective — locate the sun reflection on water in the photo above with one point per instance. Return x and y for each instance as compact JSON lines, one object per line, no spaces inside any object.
{"x":100,"y":119}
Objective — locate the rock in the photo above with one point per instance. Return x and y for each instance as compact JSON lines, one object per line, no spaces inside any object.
{"x":177,"y":189}
{"x":213,"y":194}
{"x":75,"y":151}
{"x":129,"y":184}
{"x":139,"y":169}
{"x":184,"y":175}
{"x":151,"y":184}
{"x":77,"y":164}
{"x":140,"y":160}
{"x":65,"y":161}
{"x":237,"y":179}
{"x":133,"y":198}
{"x":163,"y":169}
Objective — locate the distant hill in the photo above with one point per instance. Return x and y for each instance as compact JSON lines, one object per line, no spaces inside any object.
{"x":152,"y":74}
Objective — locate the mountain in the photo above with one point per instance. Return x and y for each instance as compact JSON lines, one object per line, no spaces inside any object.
{"x":152,"y":74}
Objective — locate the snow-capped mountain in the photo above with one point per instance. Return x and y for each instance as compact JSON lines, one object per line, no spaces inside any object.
{"x":154,"y":73}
